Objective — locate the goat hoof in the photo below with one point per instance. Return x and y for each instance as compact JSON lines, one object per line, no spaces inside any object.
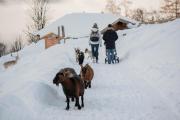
{"x":82,"y":105}
{"x":67,"y":108}
{"x":79,"y":107}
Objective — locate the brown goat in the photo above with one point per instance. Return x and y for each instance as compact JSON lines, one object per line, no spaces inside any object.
{"x":72,"y":85}
{"x":87,"y":75}
{"x":11,"y":63}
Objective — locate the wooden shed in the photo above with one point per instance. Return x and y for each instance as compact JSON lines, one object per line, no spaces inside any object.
{"x":52,"y":39}
{"x":120,"y":24}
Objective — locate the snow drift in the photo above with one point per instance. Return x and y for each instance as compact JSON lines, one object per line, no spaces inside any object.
{"x":143,"y":86}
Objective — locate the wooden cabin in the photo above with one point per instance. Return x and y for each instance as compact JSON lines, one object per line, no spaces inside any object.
{"x":119,"y":24}
{"x":52,"y":39}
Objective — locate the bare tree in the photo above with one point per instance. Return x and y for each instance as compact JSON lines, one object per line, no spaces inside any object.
{"x":139,"y":15}
{"x":113,"y":7}
{"x":158,"y":17}
{"x":126,"y":5}
{"x":2,"y":49}
{"x":152,"y":16}
{"x":17,"y":45}
{"x":171,"y":9}
{"x":38,"y":15}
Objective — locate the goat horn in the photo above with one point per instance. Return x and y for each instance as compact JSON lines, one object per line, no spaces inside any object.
{"x":69,"y":74}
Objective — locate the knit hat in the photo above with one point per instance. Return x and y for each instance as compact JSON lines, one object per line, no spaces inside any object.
{"x":109,"y":25}
{"x":95,"y":25}
{"x":94,"y":28}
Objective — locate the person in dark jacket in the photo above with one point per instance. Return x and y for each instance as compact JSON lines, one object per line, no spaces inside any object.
{"x":109,"y":37}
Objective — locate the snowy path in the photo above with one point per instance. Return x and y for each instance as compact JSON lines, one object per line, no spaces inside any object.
{"x":127,"y":97}
{"x":118,"y":92}
{"x":114,"y":98}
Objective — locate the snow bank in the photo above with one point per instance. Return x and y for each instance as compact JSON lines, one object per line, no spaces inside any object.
{"x":154,"y":57}
{"x":13,"y":108}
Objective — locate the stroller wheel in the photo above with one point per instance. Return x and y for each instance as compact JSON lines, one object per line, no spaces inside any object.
{"x":105,"y":60}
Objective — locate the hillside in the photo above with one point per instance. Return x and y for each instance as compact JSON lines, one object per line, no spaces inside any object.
{"x":79,"y":24}
{"x":143,"y":86}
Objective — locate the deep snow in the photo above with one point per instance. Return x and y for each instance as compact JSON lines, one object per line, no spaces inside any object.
{"x":143,"y":86}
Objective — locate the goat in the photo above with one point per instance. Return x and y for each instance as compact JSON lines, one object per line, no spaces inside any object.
{"x":11,"y":63}
{"x":88,"y":53}
{"x":87,"y":75}
{"x":79,"y":56}
{"x":77,"y":51}
{"x":72,"y":85}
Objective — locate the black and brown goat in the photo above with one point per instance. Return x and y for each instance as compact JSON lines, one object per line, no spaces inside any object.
{"x":79,"y":56}
{"x":72,"y":84}
{"x":87,"y":75}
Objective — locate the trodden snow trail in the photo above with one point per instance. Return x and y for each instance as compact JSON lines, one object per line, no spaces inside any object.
{"x":127,"y":97}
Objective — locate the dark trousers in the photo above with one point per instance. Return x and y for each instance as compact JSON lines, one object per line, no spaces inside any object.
{"x":94,"y":49}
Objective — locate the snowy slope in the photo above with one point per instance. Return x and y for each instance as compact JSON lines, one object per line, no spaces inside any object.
{"x":79,"y":24}
{"x":144,"y":86}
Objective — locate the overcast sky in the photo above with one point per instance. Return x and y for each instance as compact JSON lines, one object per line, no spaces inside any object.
{"x":14,"y":15}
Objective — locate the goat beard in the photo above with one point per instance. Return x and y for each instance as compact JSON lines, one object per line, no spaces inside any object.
{"x":57,"y":84}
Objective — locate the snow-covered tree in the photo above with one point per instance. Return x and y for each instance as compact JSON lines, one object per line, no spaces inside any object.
{"x":119,"y":7}
{"x":126,"y":5}
{"x":171,"y":9}
{"x":138,"y":14}
{"x":113,"y":7}
{"x":17,"y":45}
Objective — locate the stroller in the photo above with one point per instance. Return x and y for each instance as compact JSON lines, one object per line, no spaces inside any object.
{"x":115,"y":59}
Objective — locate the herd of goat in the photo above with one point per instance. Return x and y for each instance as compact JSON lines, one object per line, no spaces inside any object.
{"x":74,"y":84}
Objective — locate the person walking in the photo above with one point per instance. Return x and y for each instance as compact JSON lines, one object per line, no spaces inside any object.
{"x":110,"y":36}
{"x":95,"y":41}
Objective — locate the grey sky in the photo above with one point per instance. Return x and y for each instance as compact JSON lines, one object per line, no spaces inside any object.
{"x":2,"y":1}
{"x":17,"y":1}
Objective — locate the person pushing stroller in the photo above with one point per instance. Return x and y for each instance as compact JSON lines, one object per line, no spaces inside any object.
{"x":110,"y":36}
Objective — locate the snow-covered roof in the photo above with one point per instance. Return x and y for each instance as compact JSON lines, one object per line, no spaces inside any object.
{"x":125,"y":20}
{"x":130,"y":23}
